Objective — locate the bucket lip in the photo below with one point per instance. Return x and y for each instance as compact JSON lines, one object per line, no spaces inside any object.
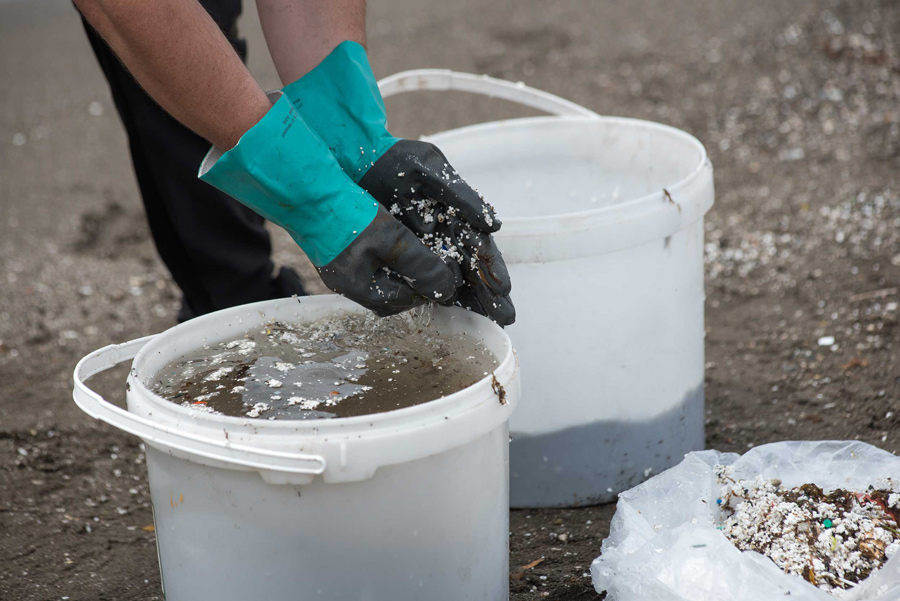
{"x":639,"y":207}
{"x":322,"y":427}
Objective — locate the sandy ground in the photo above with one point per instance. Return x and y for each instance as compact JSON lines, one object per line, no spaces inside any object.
{"x":797,"y":103}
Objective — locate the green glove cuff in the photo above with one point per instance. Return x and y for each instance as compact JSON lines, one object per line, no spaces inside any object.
{"x":282,"y":170}
{"x":340,"y":101}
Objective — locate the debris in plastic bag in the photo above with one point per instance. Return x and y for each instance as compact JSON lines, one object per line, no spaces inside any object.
{"x":834,"y":539}
{"x":666,"y":539}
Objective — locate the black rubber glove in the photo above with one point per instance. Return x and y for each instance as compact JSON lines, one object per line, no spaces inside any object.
{"x":414,"y":181}
{"x":387,"y":269}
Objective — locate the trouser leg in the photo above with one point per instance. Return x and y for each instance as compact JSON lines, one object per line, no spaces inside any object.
{"x":217,"y":250}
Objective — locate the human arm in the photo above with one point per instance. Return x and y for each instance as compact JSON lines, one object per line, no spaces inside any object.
{"x":266,"y":157}
{"x":301,"y":33}
{"x":328,"y":77}
{"x":340,"y":100}
{"x":180,"y":57}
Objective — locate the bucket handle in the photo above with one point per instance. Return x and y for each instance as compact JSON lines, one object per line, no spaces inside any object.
{"x":99,"y":408}
{"x":444,"y":79}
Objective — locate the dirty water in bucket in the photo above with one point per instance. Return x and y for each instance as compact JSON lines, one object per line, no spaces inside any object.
{"x":340,"y":366}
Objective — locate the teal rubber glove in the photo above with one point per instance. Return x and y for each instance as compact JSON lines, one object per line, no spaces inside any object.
{"x":281,"y":169}
{"x":340,"y":100}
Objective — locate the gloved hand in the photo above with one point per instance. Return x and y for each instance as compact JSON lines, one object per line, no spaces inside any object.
{"x":340,"y":100}
{"x":281,"y":169}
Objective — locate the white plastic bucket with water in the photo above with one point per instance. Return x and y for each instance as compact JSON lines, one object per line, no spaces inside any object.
{"x":408,"y":504}
{"x":603,"y":235}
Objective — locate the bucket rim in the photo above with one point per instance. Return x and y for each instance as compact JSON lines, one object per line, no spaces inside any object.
{"x":325,"y":426}
{"x":638,"y":207}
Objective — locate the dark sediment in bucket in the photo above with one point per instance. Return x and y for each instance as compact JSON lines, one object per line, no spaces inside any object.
{"x":592,"y":463}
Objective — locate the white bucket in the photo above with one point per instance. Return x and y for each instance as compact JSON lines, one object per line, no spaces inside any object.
{"x":603,"y":236}
{"x":408,"y":504}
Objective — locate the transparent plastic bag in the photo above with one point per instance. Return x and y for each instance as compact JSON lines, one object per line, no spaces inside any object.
{"x":664,"y":545}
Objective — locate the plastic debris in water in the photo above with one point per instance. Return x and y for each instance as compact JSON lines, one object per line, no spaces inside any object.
{"x":340,"y":366}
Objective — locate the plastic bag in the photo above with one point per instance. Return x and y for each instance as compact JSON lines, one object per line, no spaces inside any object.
{"x":664,"y":545}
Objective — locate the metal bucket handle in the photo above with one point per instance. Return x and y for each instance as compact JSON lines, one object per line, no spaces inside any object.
{"x":97,"y":407}
{"x":444,"y":79}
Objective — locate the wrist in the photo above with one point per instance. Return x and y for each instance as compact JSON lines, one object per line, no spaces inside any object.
{"x":252,"y":110}
{"x":256,"y":108}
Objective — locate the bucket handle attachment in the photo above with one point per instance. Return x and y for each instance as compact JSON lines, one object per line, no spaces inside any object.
{"x":444,"y":79}
{"x":99,"y":408}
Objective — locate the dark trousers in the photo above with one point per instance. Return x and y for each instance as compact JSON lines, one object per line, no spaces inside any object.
{"x":217,"y":250}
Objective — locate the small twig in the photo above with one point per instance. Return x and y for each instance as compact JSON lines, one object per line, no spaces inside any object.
{"x":671,"y":200}
{"x":520,"y":572}
{"x":873,"y":294}
{"x":498,"y":389}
